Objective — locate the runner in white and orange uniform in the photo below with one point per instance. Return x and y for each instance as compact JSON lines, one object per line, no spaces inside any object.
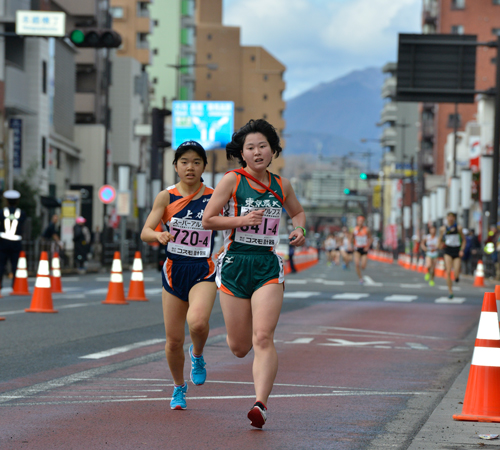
{"x":362,"y":240}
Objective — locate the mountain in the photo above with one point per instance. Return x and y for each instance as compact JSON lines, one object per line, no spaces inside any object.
{"x":330,"y":119}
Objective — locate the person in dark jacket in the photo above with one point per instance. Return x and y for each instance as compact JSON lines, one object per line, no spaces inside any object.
{"x":81,"y":240}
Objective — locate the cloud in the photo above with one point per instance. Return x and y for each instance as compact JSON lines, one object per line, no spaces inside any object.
{"x":319,"y":40}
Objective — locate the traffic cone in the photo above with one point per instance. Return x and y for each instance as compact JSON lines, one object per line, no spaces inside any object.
{"x":497,"y":296}
{"x":482,"y":395}
{"x":20,"y":286}
{"x":55,"y":279}
{"x":421,"y":265}
{"x":479,"y":275}
{"x":136,"y":290}
{"x":414,"y":263}
{"x":116,"y":294}
{"x":42,"y":296}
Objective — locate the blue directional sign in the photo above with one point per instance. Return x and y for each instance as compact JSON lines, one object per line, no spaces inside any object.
{"x":209,"y":123}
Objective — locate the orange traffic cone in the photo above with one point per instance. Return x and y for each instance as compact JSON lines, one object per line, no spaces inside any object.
{"x":421,"y":265}
{"x":482,"y":395}
{"x":136,"y":290}
{"x":20,"y":286}
{"x":414,"y":263}
{"x":479,"y":275}
{"x":2,"y":318}
{"x":55,"y":279}
{"x":116,"y":294}
{"x":42,"y":297}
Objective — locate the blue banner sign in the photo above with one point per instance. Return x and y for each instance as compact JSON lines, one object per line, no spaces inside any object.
{"x":17,"y":126}
{"x":209,"y":123}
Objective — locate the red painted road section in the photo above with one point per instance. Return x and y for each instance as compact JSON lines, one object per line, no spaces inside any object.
{"x":346,"y":370}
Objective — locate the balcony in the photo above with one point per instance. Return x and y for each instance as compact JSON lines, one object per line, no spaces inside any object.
{"x":144,"y":25}
{"x":389,"y":88}
{"x":389,"y":137}
{"x":430,"y":12}
{"x":428,"y":130}
{"x":389,"y":113}
{"x":84,"y":102}
{"x":16,"y":90}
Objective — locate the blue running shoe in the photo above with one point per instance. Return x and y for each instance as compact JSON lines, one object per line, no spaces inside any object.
{"x":179,"y":397}
{"x":198,"y":371}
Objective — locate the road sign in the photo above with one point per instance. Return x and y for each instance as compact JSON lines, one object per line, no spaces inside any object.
{"x":209,"y":123}
{"x":40,"y":23}
{"x":107,"y":194}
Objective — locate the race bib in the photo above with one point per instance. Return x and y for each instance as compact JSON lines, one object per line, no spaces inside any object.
{"x":452,"y":240}
{"x":265,"y":234}
{"x":190,"y":238}
{"x":360,"y":241}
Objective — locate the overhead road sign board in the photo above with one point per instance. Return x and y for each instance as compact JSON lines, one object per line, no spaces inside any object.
{"x":211,"y":123}
{"x":40,"y":23}
{"x":436,"y":68}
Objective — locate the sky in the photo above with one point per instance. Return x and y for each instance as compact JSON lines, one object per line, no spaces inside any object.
{"x":321,"y":40}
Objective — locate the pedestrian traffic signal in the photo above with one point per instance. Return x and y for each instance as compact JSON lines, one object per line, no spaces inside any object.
{"x":363,"y":176}
{"x":347,"y":191}
{"x":95,"y":38}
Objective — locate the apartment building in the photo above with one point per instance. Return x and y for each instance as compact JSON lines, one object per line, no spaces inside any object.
{"x":247,"y":75}
{"x":476,"y":17}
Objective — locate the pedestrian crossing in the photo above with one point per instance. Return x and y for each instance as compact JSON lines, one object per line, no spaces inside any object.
{"x":355,"y":296}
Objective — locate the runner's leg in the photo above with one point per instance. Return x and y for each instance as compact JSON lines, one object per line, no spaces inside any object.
{"x":237,"y":314}
{"x":357,"y":258}
{"x":448,"y":263}
{"x":364,"y":261}
{"x":174,"y":316}
{"x":457,"y":264}
{"x":201,"y":302}
{"x":266,"y":308}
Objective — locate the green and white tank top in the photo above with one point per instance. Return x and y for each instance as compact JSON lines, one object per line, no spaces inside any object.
{"x":258,"y":238}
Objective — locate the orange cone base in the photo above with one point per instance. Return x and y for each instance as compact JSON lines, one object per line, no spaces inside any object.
{"x":20,"y":293}
{"x":479,"y":283}
{"x":116,"y":295}
{"x":472,"y":418}
{"x":2,"y":318}
{"x":20,"y":287}
{"x":56,"y":287}
{"x":37,"y":310}
{"x":137,"y":294}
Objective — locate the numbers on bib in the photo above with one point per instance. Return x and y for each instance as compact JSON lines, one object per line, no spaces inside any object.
{"x":190,"y":237}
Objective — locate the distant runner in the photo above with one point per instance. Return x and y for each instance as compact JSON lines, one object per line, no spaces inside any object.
{"x":346,"y":249}
{"x":188,"y":275}
{"x":431,"y":249}
{"x":362,"y":239}
{"x":452,"y":241}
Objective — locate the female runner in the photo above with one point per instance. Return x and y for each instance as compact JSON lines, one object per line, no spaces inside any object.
{"x":249,"y":273}
{"x":188,"y":274}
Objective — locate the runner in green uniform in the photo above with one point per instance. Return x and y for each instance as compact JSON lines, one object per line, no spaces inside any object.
{"x":249,"y":272}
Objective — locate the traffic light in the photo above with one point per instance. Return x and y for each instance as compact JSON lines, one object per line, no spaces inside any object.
{"x":363,"y":176}
{"x":158,"y":127}
{"x":95,"y":38}
{"x":348,"y":191}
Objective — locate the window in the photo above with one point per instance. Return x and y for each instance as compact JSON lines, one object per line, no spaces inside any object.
{"x":493,"y":60}
{"x":155,"y":80}
{"x":252,"y":58}
{"x":209,"y":56}
{"x":457,"y":29}
{"x":117,"y":12}
{"x":209,"y":37}
{"x":44,"y":152}
{"x":496,"y":2}
{"x":265,"y":97}
{"x":209,"y":95}
{"x":142,"y":9}
{"x":458,"y":4}
{"x":155,"y":51}
{"x":209,"y":76}
{"x":264,"y":116}
{"x":454,"y":119}
{"x":265,"y":77}
{"x":495,"y":31}
{"x":58,"y":158}
{"x":44,"y":77}
{"x":156,"y":23}
{"x":142,"y":40}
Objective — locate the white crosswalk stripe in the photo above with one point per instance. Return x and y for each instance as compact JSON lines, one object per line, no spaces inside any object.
{"x":456,"y":300}
{"x":400,"y":298}
{"x":349,"y":296}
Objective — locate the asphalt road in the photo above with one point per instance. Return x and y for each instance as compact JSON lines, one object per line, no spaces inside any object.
{"x":361,"y":366}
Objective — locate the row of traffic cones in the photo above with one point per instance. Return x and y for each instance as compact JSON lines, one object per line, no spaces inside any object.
{"x":41,"y":301}
{"x":482,"y":394}
{"x":380,"y":256}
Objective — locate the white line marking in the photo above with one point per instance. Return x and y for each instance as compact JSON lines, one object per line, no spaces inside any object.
{"x":369,"y":281}
{"x":400,"y":298}
{"x":9,"y":313}
{"x":345,"y":343}
{"x":300,"y":341}
{"x":391,"y":333}
{"x":417,"y":346}
{"x":103,"y":278}
{"x":349,"y":296}
{"x":97,"y":291}
{"x":148,"y":279}
{"x":295,"y":281}
{"x":153,"y":291}
{"x":73,"y":305}
{"x":300,"y":294}
{"x":334,"y":283}
{"x":445,"y":288}
{"x":456,"y":300}
{"x":411,"y":286}
{"x":125,"y":348}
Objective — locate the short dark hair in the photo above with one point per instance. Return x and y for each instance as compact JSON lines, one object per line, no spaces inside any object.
{"x":190,"y":145}
{"x":235,"y":147}
{"x":452,"y":214}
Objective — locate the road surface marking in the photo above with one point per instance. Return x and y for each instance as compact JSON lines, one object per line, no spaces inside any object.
{"x":417,"y":346}
{"x":97,"y":291}
{"x":345,"y":343}
{"x":390,"y":333}
{"x":400,"y":298}
{"x":456,"y":300}
{"x":295,"y":281}
{"x":328,"y":282}
{"x":369,"y":281}
{"x":102,"y":278}
{"x":300,"y":294}
{"x":445,"y":288}
{"x":411,"y":286}
{"x":300,"y":341}
{"x":118,"y":350}
{"x":349,"y":296}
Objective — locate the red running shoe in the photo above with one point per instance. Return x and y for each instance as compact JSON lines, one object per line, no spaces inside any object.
{"x":257,"y":415}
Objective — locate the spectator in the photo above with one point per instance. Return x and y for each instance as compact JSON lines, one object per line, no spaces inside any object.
{"x":472,"y":246}
{"x":81,"y":239}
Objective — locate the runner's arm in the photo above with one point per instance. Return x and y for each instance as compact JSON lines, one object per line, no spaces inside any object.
{"x":440,"y":238}
{"x":462,"y":239}
{"x":212,"y":220}
{"x":148,"y":233}
{"x":296,"y":212}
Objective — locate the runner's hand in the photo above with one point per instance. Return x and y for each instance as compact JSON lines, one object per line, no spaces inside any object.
{"x":297,"y":238}
{"x":253,"y":217}
{"x":164,"y":237}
